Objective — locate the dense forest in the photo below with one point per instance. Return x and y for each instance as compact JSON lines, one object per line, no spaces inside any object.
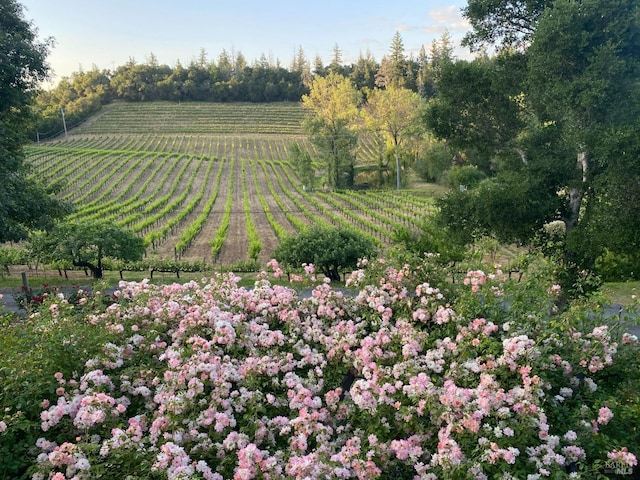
{"x":231,"y":78}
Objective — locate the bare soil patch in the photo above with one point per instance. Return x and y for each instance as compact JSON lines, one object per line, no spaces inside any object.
{"x":200,"y":249}
{"x":167,"y":246}
{"x":236,"y":245}
{"x":265,"y":231}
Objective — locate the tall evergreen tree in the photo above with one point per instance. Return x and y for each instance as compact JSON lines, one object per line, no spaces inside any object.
{"x":336,"y":60}
{"x":398,"y":61}
{"x":318,"y":66}
{"x":364,"y":72}
{"x":301,"y":66}
{"x":425,"y":81}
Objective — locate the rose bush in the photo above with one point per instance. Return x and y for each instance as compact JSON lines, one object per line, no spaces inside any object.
{"x":210,"y":380}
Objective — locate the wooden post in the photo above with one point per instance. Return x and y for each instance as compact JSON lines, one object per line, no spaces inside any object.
{"x":64,"y":123}
{"x":25,"y":285}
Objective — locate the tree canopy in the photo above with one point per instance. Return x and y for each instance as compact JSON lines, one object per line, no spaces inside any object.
{"x":25,"y":203}
{"x":506,"y":23}
{"x":394,"y":112}
{"x":331,"y":250}
{"x":87,"y":244}
{"x":333,"y":103}
{"x":556,"y":113}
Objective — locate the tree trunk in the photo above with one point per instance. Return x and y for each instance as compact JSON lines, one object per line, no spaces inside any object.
{"x":398,"y":183}
{"x":576,"y":194}
{"x":332,"y":273}
{"x":95,"y":271}
{"x":575,"y":200}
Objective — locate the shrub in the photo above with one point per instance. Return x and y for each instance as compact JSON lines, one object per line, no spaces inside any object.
{"x":331,"y":250}
{"x":11,"y":256}
{"x":55,"y":340}
{"x":618,"y":267}
{"x":433,"y":164}
{"x":215,"y":381}
{"x":465,"y":177}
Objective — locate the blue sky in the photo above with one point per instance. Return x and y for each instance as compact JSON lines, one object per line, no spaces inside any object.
{"x":107,"y":33}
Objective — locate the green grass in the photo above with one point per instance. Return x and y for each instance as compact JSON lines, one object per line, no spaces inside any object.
{"x":621,"y":292}
{"x":111,"y":279}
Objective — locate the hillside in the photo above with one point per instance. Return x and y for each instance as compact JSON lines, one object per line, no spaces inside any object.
{"x":196,"y":118}
{"x":203,"y":181}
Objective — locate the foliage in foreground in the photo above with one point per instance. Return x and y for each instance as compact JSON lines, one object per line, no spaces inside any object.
{"x":209,"y":380}
{"x":25,"y":202}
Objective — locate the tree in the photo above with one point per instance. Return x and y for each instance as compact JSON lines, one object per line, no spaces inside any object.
{"x":300,"y":65}
{"x":428,"y":237}
{"x":87,"y":244}
{"x":302,"y":164}
{"x":425,"y":82}
{"x":441,"y":53}
{"x":395,"y":112}
{"x":576,"y":68}
{"x":477,"y":105}
{"x":318,"y":67}
{"x":398,"y":60}
{"x":508,"y":23}
{"x":331,"y":250}
{"x":25,"y":203}
{"x":225,"y":66}
{"x":333,"y":106}
{"x":588,"y":52}
{"x":336,"y":60}
{"x":393,"y":67}
{"x":80,"y":95}
{"x":364,"y":72}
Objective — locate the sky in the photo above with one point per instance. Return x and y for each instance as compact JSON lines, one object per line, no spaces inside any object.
{"x":108,"y":33}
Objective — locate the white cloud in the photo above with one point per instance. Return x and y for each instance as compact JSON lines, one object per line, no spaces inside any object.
{"x":403,"y":27}
{"x":449,"y":18}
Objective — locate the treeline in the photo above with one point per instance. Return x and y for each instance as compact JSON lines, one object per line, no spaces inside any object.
{"x":230,"y":78}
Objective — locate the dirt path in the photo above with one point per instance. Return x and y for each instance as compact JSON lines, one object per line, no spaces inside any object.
{"x":193,"y":169}
{"x":236,"y":245}
{"x":167,"y":247}
{"x":125,"y":182}
{"x":303,"y":200}
{"x":276,"y":210}
{"x":200,"y":249}
{"x":266,"y":233}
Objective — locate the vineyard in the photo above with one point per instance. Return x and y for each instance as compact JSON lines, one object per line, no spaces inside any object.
{"x":208,"y":182}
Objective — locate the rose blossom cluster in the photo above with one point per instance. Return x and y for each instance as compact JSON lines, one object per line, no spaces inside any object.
{"x":214,"y":381}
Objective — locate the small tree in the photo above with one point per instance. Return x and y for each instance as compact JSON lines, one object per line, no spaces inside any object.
{"x":302,"y":164}
{"x":467,"y":176}
{"x":331,"y":250}
{"x":434,"y":161}
{"x":428,"y":237}
{"x":87,"y":244}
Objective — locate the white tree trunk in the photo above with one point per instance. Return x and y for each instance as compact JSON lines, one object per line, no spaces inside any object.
{"x":576,"y":194}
